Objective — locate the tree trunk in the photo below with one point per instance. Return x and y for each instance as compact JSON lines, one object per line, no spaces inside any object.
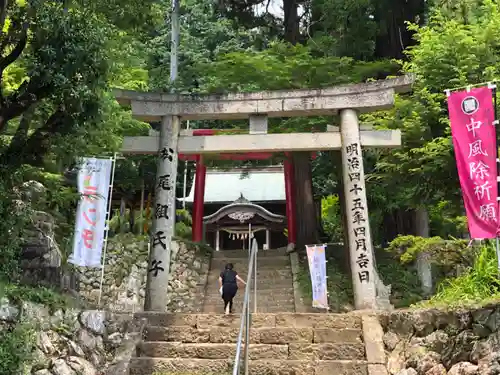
{"x":393,"y":35}
{"x":305,"y":208}
{"x":423,"y":264}
{"x":291,"y":21}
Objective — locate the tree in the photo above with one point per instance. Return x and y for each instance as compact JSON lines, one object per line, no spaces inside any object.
{"x":63,"y":56}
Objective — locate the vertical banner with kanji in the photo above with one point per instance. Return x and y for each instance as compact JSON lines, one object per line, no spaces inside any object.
{"x":317,"y":268}
{"x":472,"y":119}
{"x":93,"y":185}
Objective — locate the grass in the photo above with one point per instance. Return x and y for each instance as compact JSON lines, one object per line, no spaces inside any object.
{"x":202,"y":247}
{"x":16,"y":348}
{"x":338,"y":283}
{"x":477,"y":286}
{"x":18,"y":293}
{"x":17,"y":340}
{"x":404,"y":282}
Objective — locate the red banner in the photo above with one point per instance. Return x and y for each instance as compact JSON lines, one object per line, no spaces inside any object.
{"x":474,"y":138}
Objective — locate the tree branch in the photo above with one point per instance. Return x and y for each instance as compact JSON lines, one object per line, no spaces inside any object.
{"x":29,"y":93}
{"x":16,"y":51}
{"x":22,"y":132}
{"x":32,"y":150}
{"x":3,"y":12}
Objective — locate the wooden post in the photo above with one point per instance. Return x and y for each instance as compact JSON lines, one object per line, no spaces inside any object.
{"x":290,"y":204}
{"x":199,"y":200}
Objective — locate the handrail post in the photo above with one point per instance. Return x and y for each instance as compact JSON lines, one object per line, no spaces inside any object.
{"x":245,"y":315}
{"x":255,"y":278}
{"x":247,"y":337}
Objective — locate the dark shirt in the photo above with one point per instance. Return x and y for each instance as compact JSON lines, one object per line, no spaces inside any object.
{"x":228,"y":276}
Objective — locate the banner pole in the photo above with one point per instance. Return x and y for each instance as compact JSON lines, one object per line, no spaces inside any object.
{"x":108,"y":215}
{"x":494,"y":94}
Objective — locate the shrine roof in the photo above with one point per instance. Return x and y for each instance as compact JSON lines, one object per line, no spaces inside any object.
{"x":257,"y":186}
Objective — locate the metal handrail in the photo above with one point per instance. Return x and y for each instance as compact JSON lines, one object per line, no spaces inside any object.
{"x":245,"y":313}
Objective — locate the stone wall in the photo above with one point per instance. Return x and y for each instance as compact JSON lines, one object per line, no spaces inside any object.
{"x":126,"y":271}
{"x":73,"y":342}
{"x":433,"y":342}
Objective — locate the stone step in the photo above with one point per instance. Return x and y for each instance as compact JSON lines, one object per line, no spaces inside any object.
{"x":270,"y":274}
{"x":267,"y":302}
{"x":262,"y":308}
{"x":178,"y":366}
{"x":292,"y":351}
{"x":243,"y":269}
{"x":295,"y":320}
{"x":271,"y":299}
{"x":239,"y":263}
{"x":261,"y":280}
{"x":267,"y":335}
{"x":261,"y":292}
{"x":239,"y":254}
{"x":262,"y":284}
{"x":282,"y":308}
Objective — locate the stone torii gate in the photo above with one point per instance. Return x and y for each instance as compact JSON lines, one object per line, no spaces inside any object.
{"x":347,"y":100}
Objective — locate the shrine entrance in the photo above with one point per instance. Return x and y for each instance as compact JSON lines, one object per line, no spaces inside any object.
{"x":231,"y":226}
{"x":350,"y":138}
{"x":236,"y":198}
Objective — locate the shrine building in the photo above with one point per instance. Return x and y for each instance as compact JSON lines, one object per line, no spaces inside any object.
{"x":241,"y":201}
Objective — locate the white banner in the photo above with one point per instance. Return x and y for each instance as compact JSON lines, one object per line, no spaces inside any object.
{"x":93,"y":185}
{"x":317,"y":268}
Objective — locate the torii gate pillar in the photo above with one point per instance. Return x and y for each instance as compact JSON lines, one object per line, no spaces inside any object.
{"x":199,"y":199}
{"x":358,"y":228}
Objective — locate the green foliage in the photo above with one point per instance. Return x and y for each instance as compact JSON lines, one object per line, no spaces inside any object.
{"x":283,"y":66}
{"x":16,"y":347}
{"x":447,"y":219}
{"x":447,"y":257}
{"x":449,"y":53}
{"x":445,"y":253}
{"x":40,"y":295}
{"x":478,"y":284}
{"x":121,"y":224}
{"x":56,"y":103}
{"x":339,"y":283}
{"x":15,"y":217}
{"x":203,"y":248}
{"x":333,"y":34}
{"x":405,"y":285}
{"x":183,"y":224}
{"x":331,"y":218}
{"x":203,"y":36}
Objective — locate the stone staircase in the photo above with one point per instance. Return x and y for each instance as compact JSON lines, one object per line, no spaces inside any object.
{"x":280,"y":344}
{"x":274,"y":281}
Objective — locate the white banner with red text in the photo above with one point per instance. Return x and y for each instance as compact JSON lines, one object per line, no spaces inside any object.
{"x":93,"y":185}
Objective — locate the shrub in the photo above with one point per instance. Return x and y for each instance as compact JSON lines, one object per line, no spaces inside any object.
{"x":16,"y":347}
{"x":448,"y":257}
{"x":14,"y":218}
{"x":479,"y":283}
{"x":41,"y":295}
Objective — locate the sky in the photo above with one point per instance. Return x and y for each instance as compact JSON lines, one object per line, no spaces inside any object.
{"x":275,"y":8}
